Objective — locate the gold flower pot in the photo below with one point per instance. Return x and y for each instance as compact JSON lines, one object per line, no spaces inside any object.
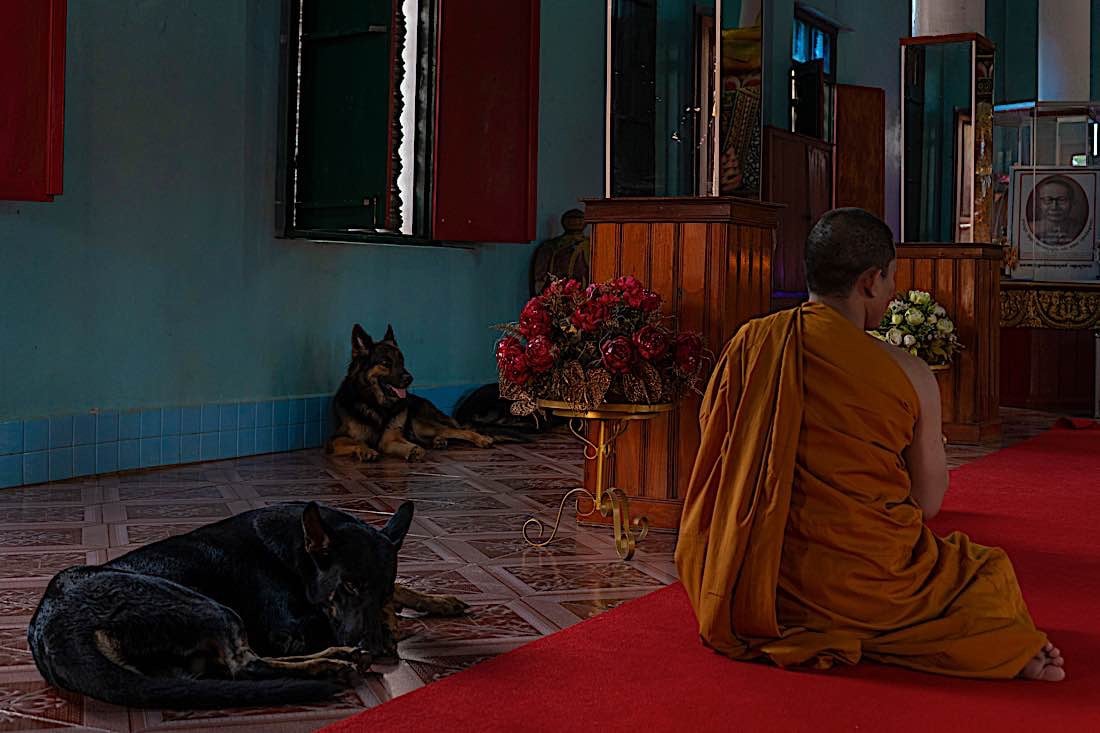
{"x":605,"y":424}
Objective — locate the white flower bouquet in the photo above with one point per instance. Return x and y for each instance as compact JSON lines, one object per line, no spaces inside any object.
{"x":920,"y":325}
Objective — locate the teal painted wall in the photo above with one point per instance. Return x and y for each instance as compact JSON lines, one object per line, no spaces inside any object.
{"x":571,"y":110}
{"x":867,"y":55}
{"x":155,"y":278}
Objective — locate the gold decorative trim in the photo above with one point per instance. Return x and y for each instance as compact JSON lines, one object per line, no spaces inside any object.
{"x":1065,"y":308}
{"x":607,"y":411}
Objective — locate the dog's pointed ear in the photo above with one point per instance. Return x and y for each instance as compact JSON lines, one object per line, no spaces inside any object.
{"x":389,"y":335}
{"x":361,"y":343}
{"x":317,"y":539}
{"x":398,"y":526}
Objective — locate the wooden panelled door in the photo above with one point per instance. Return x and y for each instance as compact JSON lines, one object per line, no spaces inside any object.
{"x":860,"y":158}
{"x":799,"y":175}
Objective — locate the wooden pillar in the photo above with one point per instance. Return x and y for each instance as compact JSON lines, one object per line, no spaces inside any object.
{"x":966,"y":280}
{"x":710,"y":259}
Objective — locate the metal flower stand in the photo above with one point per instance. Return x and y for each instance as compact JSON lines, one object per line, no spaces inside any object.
{"x":605,"y":424}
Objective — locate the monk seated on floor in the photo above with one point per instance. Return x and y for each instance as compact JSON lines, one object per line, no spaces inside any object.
{"x":803,"y":538}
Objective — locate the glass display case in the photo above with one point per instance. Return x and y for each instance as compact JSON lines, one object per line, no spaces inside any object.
{"x":947,"y":138}
{"x":1046,"y":189}
{"x":684,"y":97}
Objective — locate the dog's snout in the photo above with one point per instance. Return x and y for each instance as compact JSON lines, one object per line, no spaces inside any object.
{"x":406,"y":379}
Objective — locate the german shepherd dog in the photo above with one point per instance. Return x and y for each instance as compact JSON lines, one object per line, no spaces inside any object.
{"x":486,"y":411}
{"x":273,"y":606}
{"x":375,"y":414}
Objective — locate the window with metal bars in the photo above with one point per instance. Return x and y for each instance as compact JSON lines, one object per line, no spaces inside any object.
{"x":813,"y":75}
{"x":355,"y":113}
{"x":409,"y":121}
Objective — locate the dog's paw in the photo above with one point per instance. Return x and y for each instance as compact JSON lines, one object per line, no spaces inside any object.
{"x":404,"y":631}
{"x":366,"y":454}
{"x":447,"y":606}
{"x":362,"y":660}
{"x":357,"y":656}
{"x":336,"y":669}
{"x":416,"y":453}
{"x":483,"y":441}
{"x":439,"y":443}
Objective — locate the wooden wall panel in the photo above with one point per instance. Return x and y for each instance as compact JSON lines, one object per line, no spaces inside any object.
{"x":691,"y":316}
{"x":656,"y":468}
{"x":748,"y":264}
{"x":922,"y":274}
{"x":628,"y":466}
{"x":964,"y":279}
{"x":1048,"y":369}
{"x":966,"y":320}
{"x":946,"y":293}
{"x":905,"y":273}
{"x":710,"y":259}
{"x":1048,"y":352}
{"x":991,"y":289}
{"x":860,"y":135}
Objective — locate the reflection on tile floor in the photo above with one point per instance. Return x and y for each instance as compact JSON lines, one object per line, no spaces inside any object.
{"x":465,"y":540}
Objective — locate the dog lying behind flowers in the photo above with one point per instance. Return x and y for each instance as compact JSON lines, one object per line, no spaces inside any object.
{"x":485,"y":411}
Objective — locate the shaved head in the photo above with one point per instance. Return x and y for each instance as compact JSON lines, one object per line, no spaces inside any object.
{"x":843,"y":245}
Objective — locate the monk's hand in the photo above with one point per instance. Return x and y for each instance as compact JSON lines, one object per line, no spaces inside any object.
{"x":944,"y":440}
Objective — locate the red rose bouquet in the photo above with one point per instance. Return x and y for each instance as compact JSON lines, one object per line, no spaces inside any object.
{"x":606,"y":343}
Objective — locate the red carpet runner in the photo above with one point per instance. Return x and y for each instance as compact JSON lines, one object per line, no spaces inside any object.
{"x":640,"y":667}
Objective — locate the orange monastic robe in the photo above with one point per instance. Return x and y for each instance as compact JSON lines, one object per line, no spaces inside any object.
{"x":799,"y":539}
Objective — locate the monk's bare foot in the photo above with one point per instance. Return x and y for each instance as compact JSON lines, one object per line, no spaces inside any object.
{"x":1046,"y":666}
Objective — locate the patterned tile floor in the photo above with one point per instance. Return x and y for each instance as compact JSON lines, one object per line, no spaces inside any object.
{"x":465,"y":540}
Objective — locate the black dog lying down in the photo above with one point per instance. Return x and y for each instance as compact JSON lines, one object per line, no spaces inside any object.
{"x":488,"y":413}
{"x":272,"y":606}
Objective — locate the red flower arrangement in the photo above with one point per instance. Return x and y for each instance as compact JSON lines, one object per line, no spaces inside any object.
{"x":606,"y":343}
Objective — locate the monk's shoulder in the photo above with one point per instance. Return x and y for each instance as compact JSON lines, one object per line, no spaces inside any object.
{"x":920,"y":376}
{"x":761,"y":325}
{"x":749,"y":331}
{"x":756,"y":330}
{"x":752,"y":332}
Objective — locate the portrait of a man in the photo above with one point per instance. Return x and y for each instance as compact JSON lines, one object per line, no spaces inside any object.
{"x":1057,"y":211}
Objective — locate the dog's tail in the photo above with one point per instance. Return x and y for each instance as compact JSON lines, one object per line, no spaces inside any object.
{"x":181,"y":693}
{"x":99,"y":677}
{"x":501,"y":434}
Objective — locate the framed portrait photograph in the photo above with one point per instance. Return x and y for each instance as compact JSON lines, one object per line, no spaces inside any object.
{"x":1054,"y":213}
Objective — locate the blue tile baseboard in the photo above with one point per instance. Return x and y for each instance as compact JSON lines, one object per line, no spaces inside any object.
{"x":37,"y":450}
